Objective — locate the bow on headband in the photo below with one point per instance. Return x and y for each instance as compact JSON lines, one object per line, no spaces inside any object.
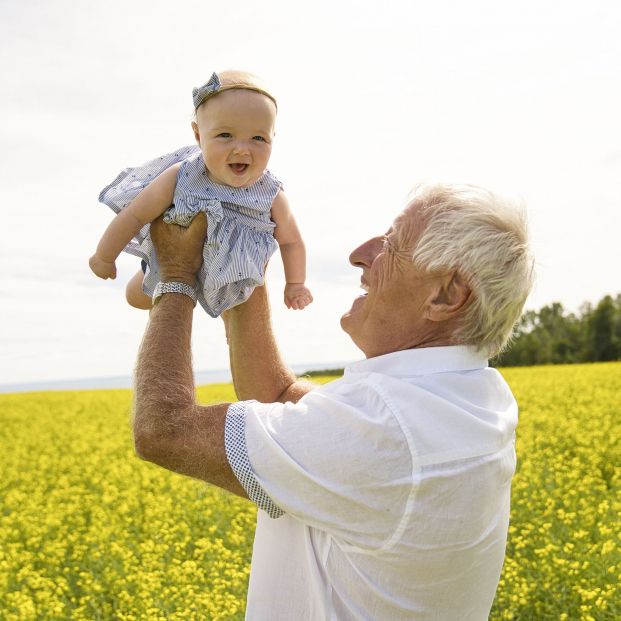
{"x":202,"y":92}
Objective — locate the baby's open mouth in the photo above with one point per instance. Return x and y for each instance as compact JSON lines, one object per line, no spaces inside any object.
{"x":239,"y":169}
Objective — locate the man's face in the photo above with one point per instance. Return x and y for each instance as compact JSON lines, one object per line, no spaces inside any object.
{"x":391,"y":315}
{"x":234,"y":131}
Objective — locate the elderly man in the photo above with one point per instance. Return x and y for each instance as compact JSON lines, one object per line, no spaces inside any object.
{"x":385,"y":494}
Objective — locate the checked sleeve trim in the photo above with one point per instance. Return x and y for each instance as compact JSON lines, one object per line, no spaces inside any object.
{"x":237,"y":454}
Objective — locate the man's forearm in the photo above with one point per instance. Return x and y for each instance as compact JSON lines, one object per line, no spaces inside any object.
{"x":256,"y":365}
{"x":170,"y":428}
{"x":164,"y":379}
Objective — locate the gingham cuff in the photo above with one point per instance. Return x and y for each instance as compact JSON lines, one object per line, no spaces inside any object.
{"x":237,"y":454}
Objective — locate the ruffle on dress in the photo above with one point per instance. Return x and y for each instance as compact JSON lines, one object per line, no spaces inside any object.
{"x":183,"y":211}
{"x":239,"y":239}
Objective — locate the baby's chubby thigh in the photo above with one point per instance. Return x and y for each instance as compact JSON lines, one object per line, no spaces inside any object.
{"x":134,"y":293}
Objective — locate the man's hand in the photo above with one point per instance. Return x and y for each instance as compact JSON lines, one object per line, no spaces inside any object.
{"x":179,"y":249}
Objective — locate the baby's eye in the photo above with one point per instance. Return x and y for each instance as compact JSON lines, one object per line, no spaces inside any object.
{"x":259,"y":138}
{"x":224,"y":135}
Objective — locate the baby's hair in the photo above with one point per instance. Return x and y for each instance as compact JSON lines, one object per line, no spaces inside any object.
{"x":234,"y":79}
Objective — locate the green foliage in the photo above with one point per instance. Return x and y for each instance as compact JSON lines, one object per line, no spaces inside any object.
{"x":332,"y":373}
{"x":554,"y":336}
{"x":604,"y":330}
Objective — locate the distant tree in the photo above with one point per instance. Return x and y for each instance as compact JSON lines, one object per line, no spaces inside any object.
{"x":525,"y":347}
{"x":603,"y":331}
{"x":553,"y":336}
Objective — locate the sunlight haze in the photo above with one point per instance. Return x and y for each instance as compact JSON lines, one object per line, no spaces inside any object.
{"x":373,"y":97}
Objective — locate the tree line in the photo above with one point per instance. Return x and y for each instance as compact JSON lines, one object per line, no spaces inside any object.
{"x":552,"y":335}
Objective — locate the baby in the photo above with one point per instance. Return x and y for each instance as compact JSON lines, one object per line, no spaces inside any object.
{"x":225,"y":176}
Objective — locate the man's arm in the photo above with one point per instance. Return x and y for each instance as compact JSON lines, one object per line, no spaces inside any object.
{"x":170,"y":429}
{"x":256,"y":364}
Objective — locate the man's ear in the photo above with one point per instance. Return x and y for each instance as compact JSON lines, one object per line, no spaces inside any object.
{"x":449,"y":298}
{"x":197,"y":135}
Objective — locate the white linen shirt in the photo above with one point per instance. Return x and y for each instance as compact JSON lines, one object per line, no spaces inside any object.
{"x":388,"y":491}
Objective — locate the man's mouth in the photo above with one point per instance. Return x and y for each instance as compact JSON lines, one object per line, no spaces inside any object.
{"x":365,"y":291}
{"x":239,"y":169}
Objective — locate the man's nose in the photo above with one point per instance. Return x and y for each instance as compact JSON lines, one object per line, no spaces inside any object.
{"x":364,"y":255}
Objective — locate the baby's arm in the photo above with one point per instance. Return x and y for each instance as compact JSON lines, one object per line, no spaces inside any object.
{"x":293,"y":254}
{"x":147,"y":206}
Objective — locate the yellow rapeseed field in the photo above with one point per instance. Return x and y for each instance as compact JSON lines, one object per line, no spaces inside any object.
{"x":88,"y":531}
{"x":563,"y":555}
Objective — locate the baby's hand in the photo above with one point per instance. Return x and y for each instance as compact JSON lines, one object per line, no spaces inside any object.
{"x":297,"y":296}
{"x":103,"y":269}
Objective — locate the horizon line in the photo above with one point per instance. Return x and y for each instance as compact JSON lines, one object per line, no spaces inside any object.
{"x":201,"y":377}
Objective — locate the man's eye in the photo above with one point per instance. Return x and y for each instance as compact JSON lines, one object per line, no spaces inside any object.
{"x":388,"y":244}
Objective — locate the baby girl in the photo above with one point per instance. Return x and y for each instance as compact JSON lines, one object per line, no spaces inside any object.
{"x":226,"y":176}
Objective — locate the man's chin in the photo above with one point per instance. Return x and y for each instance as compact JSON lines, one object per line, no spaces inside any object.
{"x":348,"y":318}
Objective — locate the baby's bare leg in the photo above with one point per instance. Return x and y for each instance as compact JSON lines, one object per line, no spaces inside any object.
{"x":134,"y":294}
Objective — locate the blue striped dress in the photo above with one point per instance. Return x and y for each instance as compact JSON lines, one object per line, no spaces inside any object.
{"x":240,"y":232}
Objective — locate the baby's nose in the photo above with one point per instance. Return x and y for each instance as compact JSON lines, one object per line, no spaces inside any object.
{"x":241,"y":146}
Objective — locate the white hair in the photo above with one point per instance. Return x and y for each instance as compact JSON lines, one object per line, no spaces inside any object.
{"x":484,"y":237}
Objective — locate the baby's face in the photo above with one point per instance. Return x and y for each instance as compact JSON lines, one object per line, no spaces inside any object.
{"x":234,"y":131}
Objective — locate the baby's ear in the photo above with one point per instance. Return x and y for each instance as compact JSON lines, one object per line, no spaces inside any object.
{"x":197,"y":135}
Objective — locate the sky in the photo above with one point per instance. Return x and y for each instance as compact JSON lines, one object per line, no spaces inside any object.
{"x":373,"y":97}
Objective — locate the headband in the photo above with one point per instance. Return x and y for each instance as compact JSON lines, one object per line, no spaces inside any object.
{"x":213,"y":86}
{"x":202,"y":92}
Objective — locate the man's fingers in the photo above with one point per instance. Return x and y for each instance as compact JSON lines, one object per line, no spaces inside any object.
{"x":198,"y":226}
{"x":179,"y":248}
{"x":196,"y":230}
{"x":156,"y":225}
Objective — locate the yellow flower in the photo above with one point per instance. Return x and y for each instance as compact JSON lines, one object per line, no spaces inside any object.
{"x":87,"y":530}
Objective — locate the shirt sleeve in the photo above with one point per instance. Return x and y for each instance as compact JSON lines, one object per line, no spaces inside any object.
{"x":336,"y":460}
{"x":237,"y":455}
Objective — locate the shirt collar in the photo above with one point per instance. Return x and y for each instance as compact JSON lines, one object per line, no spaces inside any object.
{"x":422,"y":361}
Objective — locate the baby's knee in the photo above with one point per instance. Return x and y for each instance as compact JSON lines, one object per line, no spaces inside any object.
{"x":136,"y":297}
